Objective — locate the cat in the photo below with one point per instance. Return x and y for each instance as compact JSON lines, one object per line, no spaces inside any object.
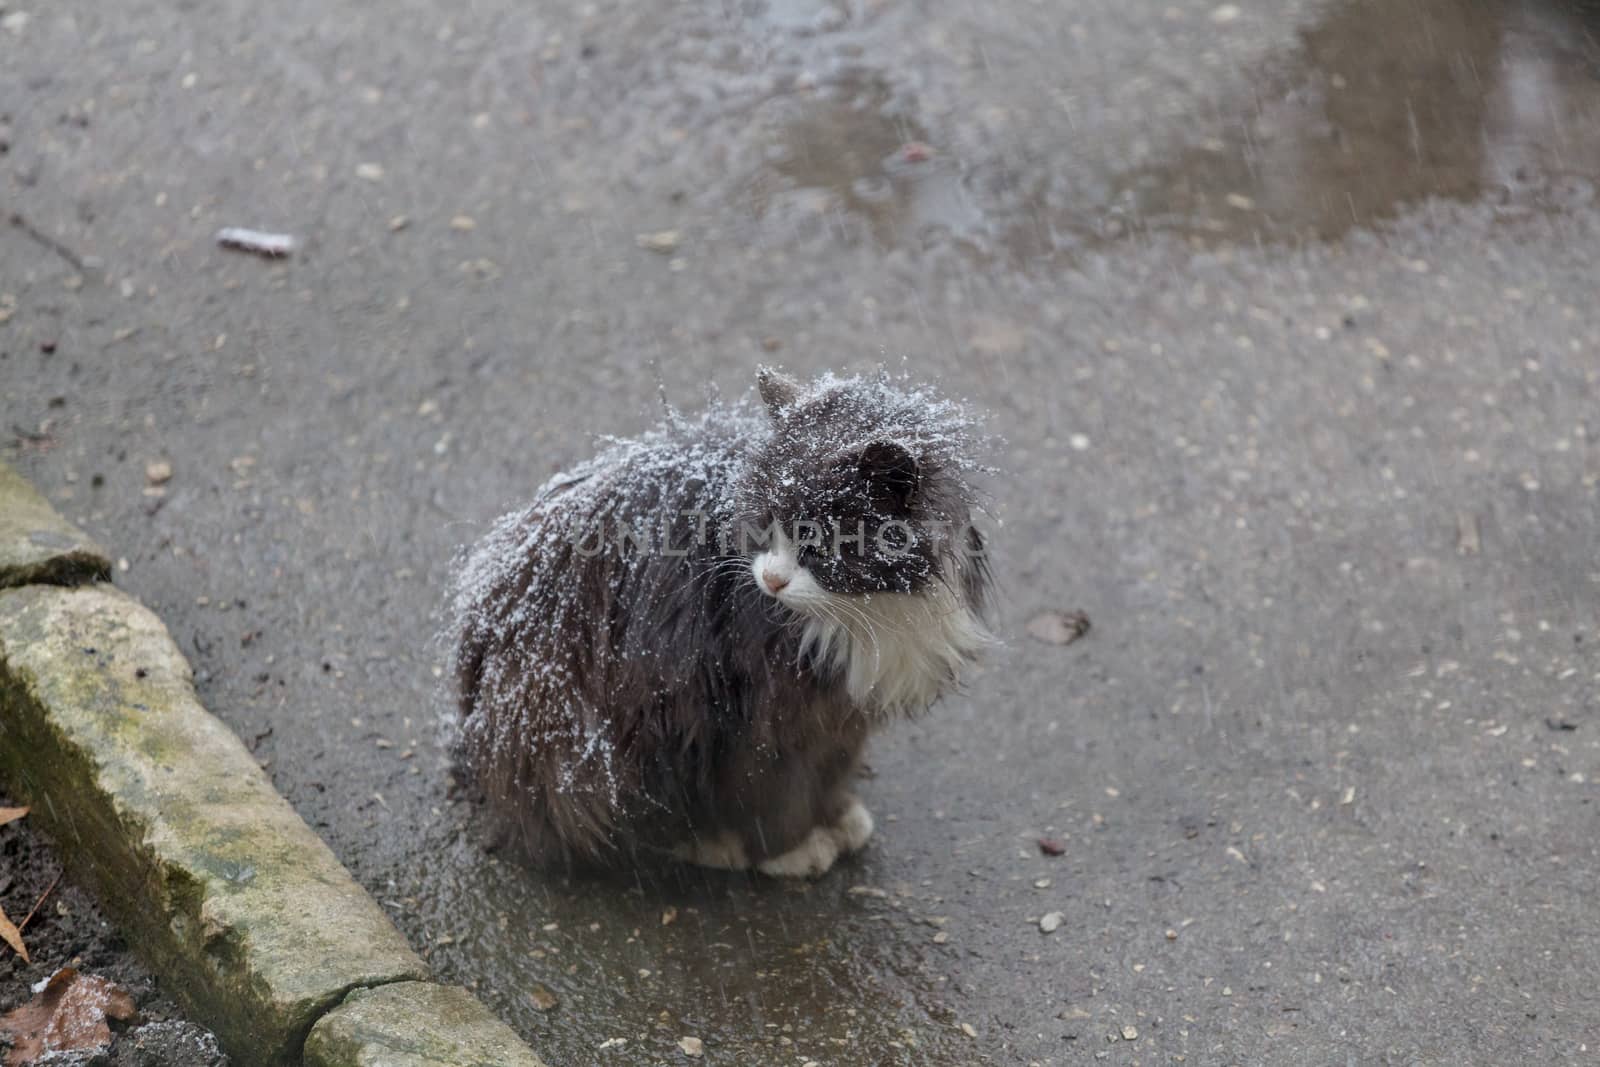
{"x":681,"y":646}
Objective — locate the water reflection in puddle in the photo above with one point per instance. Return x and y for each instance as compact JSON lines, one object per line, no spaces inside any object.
{"x":846,"y":152}
{"x":1392,"y":104}
{"x":1381,"y":107}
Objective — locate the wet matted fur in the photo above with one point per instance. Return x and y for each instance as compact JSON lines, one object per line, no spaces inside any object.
{"x":631,"y":675}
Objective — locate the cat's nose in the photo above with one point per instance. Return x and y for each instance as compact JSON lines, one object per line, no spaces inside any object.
{"x":775,"y":581}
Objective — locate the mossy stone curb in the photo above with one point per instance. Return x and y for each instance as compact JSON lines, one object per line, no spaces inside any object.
{"x":414,"y":1024}
{"x":245,"y":912}
{"x":37,"y":545}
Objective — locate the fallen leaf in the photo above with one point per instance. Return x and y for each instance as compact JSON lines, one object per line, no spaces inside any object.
{"x":13,"y":937}
{"x":1057,"y":628}
{"x":8,"y":930}
{"x":542,"y":998}
{"x":68,"y":1015}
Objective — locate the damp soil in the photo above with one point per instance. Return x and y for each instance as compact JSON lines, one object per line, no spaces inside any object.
{"x":68,"y":930}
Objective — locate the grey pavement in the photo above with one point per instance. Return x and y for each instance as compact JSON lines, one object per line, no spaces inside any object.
{"x":1287,"y":315}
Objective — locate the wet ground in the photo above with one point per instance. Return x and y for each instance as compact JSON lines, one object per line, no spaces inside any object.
{"x":1286,"y":312}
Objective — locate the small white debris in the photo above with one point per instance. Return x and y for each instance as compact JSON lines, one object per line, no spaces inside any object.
{"x":1079,"y":442}
{"x":1130,"y":1033}
{"x":158,"y":473}
{"x":16,"y":22}
{"x":969,"y":1030}
{"x":613,"y":1042}
{"x":274,"y":245}
{"x":1469,"y":540}
{"x":463,"y":223}
{"x":664,"y":242}
{"x":1241,"y":202}
{"x":1041,"y":883}
{"x":692,"y":1047}
{"x":1052,"y":922}
{"x":1225,"y":14}
{"x":867,"y":891}
{"x":371,"y":172}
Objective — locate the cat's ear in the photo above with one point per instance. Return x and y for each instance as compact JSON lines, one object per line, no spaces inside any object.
{"x":892,"y":473}
{"x":778,"y":390}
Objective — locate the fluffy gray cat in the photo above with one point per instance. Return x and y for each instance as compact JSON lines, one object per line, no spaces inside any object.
{"x":682,"y":645}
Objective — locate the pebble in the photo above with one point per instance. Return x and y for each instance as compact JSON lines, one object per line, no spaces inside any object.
{"x":662,"y":242}
{"x":1058,"y":628}
{"x":969,"y":1030}
{"x":669,"y":916}
{"x":463,"y":223}
{"x":1130,"y":1033}
{"x":867,"y":891}
{"x":1052,"y":922}
{"x":158,"y":472}
{"x":692,"y":1047}
{"x":542,"y":998}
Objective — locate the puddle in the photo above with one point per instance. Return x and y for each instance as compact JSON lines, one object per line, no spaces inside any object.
{"x":846,"y":151}
{"x":761,"y":972}
{"x":1385,"y":106}
{"x":1380,"y":107}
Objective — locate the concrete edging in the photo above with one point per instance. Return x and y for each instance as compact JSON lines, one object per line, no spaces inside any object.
{"x":246,"y":915}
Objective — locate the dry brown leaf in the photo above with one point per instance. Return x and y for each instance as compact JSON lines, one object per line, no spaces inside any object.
{"x":68,"y":1015}
{"x":13,"y":937}
{"x":8,"y":930}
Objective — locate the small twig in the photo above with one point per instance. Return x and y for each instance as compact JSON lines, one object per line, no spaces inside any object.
{"x":49,"y":242}
{"x":23,"y":925}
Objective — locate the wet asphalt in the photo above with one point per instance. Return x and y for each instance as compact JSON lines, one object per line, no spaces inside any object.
{"x":1286,"y":313}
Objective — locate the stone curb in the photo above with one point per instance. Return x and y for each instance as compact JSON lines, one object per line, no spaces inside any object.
{"x":250,"y":920}
{"x":399,"y":1026}
{"x":38,"y":545}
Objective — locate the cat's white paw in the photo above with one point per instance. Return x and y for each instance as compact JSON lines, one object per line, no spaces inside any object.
{"x":854,"y":828}
{"x":724,"y":852}
{"x":810,"y":859}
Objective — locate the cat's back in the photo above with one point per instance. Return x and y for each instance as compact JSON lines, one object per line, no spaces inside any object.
{"x":562,"y":583}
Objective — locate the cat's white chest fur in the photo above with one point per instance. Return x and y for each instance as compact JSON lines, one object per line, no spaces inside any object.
{"x":897,"y":651}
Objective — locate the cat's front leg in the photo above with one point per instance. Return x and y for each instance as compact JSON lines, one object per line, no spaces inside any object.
{"x":823,"y":846}
{"x":724,"y":852}
{"x":853,"y":829}
{"x":811,"y":858}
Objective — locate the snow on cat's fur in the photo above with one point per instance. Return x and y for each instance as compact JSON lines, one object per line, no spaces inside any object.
{"x":683,"y":644}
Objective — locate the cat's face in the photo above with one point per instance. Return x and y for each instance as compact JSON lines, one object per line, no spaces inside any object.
{"x":827,"y":511}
